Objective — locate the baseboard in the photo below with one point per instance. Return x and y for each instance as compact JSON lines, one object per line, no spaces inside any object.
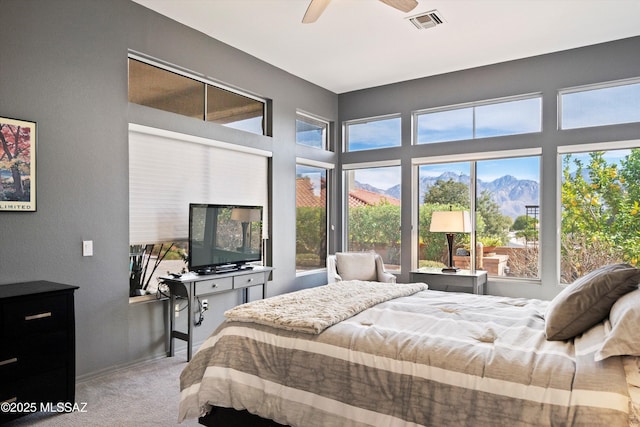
{"x":127,"y":365}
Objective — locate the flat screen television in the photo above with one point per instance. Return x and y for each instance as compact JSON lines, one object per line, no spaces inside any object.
{"x":223,"y":237}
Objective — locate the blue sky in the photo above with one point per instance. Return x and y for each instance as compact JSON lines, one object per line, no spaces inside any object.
{"x":375,"y":134}
{"x":382,"y":178}
{"x":605,"y":106}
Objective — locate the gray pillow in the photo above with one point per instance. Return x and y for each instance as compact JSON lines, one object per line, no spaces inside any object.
{"x":588,"y":300}
{"x":623,"y":338}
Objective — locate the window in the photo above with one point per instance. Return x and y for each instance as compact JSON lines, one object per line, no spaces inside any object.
{"x":234,"y":110}
{"x":160,"y":192}
{"x":175,"y":92}
{"x":442,"y":187}
{"x":161,"y":89}
{"x":505,"y":196}
{"x":311,"y":218}
{"x":311,"y":132}
{"x":372,"y":133}
{"x":600,"y":210}
{"x":598,"y":106}
{"x":479,"y":120}
{"x":373,"y":212}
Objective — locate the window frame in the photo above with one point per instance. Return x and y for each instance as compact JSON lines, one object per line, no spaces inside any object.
{"x":349,"y":167}
{"x":205,"y":81}
{"x":588,"y":88}
{"x":301,"y":115}
{"x":347,"y":123}
{"x":473,"y":105}
{"x":472,"y":158}
{"x":562,"y":150}
{"x":329,"y":168}
{"x":169,"y":223}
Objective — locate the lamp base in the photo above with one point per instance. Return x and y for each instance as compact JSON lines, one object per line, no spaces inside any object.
{"x":450,"y":269}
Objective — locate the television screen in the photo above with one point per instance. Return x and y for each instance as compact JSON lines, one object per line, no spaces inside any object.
{"x":223,"y":237}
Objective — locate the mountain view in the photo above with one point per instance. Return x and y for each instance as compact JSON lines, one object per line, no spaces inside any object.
{"x":510,"y":193}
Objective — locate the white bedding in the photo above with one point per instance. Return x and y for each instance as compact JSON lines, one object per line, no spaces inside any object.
{"x":433,"y":358}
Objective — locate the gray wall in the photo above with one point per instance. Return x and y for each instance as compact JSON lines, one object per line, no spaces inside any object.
{"x":64,"y":65}
{"x":545,"y":74}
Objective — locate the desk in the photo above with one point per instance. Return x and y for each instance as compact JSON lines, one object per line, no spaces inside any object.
{"x":462,"y":281}
{"x":191,"y":285}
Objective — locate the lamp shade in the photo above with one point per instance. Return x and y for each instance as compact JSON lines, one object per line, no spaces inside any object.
{"x":450,"y":222}
{"x":245,"y":214}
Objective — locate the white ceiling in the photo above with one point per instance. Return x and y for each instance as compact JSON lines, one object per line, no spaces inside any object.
{"x":357,"y":44}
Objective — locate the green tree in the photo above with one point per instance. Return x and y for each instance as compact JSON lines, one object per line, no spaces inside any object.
{"x":523,"y":222}
{"x":379,"y":225}
{"x":311,"y":238}
{"x":600,"y":213}
{"x":495,"y":224}
{"x":526,"y":227}
{"x":448,"y":193}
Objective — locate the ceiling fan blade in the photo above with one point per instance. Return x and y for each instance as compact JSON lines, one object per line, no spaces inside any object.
{"x":315,"y":9}
{"x":403,"y":5}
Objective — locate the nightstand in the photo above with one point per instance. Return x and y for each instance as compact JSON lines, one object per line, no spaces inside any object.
{"x":463,"y":281}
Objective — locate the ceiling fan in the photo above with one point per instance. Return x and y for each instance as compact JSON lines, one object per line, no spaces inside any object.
{"x":316,"y":7}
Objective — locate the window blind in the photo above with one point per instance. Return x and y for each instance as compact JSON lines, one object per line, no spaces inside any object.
{"x":167,"y":171}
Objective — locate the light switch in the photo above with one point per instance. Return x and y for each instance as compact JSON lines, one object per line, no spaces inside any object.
{"x":87,"y":248}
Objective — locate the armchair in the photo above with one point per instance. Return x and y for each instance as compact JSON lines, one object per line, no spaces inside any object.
{"x":357,"y":266}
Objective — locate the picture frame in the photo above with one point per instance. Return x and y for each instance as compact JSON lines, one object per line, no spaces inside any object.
{"x":18,"y":143}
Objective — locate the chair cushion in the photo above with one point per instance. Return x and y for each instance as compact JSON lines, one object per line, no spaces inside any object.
{"x":356,"y":265}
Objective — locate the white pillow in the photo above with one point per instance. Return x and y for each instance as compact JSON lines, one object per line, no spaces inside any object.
{"x":357,"y":266}
{"x":623,"y":340}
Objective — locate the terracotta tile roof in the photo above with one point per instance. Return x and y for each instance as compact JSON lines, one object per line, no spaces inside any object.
{"x":360,"y":197}
{"x":307,"y":197}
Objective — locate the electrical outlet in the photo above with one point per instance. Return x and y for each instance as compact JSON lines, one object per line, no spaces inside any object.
{"x":205,"y":305}
{"x":177,"y":310}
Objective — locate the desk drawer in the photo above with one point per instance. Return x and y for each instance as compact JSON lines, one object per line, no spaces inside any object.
{"x":247,"y":280}
{"x":212,"y":286}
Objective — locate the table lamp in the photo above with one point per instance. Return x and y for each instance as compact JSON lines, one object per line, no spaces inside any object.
{"x":450,"y":222}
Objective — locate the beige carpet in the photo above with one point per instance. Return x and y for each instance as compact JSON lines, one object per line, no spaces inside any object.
{"x":146,"y":394}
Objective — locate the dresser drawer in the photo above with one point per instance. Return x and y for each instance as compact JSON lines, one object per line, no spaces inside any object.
{"x":8,"y":369}
{"x":33,"y":354}
{"x":212,"y":286}
{"x":49,"y":387}
{"x":35,"y":316}
{"x":247,"y":280}
{"x":43,"y":353}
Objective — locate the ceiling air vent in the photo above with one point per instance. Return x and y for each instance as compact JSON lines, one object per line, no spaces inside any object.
{"x":426,"y":20}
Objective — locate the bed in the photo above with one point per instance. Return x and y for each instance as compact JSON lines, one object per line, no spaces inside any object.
{"x":368,"y":354}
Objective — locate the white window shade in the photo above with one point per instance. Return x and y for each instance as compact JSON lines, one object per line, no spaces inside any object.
{"x":167,"y":172}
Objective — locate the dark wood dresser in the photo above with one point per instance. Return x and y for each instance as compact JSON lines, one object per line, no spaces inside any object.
{"x":37,"y":347}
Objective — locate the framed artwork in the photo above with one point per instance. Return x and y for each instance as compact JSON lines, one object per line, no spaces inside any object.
{"x":17,"y":165}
